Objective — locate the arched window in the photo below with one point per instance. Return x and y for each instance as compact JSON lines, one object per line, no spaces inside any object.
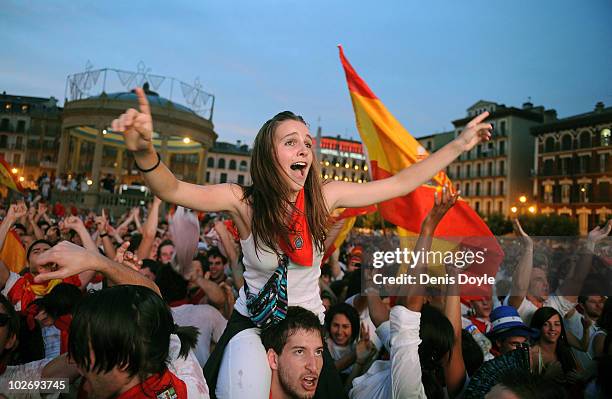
{"x":221,"y":163}
{"x":243,"y":166}
{"x":210,"y":163}
{"x":585,"y":140}
{"x":549,"y":145}
{"x":566,"y":142}
{"x":232,"y":164}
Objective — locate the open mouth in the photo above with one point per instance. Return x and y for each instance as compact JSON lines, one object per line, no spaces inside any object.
{"x":309,"y":383}
{"x":298,"y":166}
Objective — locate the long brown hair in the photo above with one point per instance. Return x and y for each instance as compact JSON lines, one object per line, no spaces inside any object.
{"x":269,"y":195}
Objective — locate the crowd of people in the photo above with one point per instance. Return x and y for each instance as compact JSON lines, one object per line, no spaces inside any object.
{"x":222,"y":292}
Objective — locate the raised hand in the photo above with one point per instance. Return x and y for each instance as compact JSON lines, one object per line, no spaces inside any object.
{"x":71,"y":259}
{"x":17,"y":211}
{"x":127,"y":258}
{"x":518,"y":230}
{"x":599,"y":233}
{"x":475,"y":132}
{"x":443,"y":201}
{"x":72,"y":223}
{"x":136,"y":125}
{"x":101,"y":222}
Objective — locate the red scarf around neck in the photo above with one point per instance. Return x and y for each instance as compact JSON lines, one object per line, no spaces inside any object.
{"x":299,"y":235}
{"x":165,"y":385}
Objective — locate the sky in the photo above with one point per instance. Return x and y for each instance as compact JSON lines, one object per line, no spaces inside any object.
{"x":428,"y":61}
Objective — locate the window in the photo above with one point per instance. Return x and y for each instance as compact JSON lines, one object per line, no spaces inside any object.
{"x":223,"y":178}
{"x":16,"y":159}
{"x":502,"y":127}
{"x":19,"y":143}
{"x":548,"y":194}
{"x":502,"y":148}
{"x":565,"y":193}
{"x":458,"y":173}
{"x":467,"y":189}
{"x":20,"y":126}
{"x":490,"y":169}
{"x":3,"y":141}
{"x":243,"y":166}
{"x":603,"y":161}
{"x":566,"y":142}
{"x":584,"y":192}
{"x":585,"y":140}
{"x":478,"y":170}
{"x":565,"y":166}
{"x":489,"y":189}
{"x":232,"y":164}
{"x":240,"y":179}
{"x":478,"y":188}
{"x":4,"y":125}
{"x":500,"y":188}
{"x":221,"y":163}
{"x":500,"y":207}
{"x":605,"y":137}
{"x":603,"y":192}
{"x":468,"y":171}
{"x":488,"y":208}
{"x":502,"y":168}
{"x":549,"y":145}
{"x":477,"y":206}
{"x":585,"y":164}
{"x":208,"y":177}
{"x":479,"y":151}
{"x":548,"y":167}
{"x":210,"y":163}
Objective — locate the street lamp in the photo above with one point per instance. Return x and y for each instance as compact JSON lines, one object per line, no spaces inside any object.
{"x":532,"y":209}
{"x":14,"y":171}
{"x":522,"y":199}
{"x":514,"y":209}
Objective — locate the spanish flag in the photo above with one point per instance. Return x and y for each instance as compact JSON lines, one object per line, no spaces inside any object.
{"x":13,"y":254}
{"x":390,"y":148}
{"x":7,"y":179}
{"x":342,"y":226}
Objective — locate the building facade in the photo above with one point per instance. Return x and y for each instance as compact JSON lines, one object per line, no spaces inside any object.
{"x":228,"y":163}
{"x":572,"y":168}
{"x":342,"y":159}
{"x":29,"y":134}
{"x":494,"y":177}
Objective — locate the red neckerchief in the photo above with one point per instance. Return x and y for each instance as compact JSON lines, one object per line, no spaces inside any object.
{"x":480,"y":324}
{"x":63,"y":324}
{"x":24,"y":288}
{"x":165,"y":385}
{"x":178,"y":302}
{"x":196,"y":297}
{"x":299,"y":235}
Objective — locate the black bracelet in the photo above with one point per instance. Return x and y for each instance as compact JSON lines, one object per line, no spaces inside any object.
{"x":150,"y":169}
{"x":103,"y":235}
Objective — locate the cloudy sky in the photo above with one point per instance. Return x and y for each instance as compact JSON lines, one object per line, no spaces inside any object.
{"x":427,"y":61}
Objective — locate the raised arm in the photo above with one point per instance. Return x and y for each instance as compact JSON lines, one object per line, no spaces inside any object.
{"x":350,"y":195}
{"x":232,"y":254}
{"x":15,"y":212}
{"x":72,"y":259}
{"x":149,"y":229}
{"x":522,"y":273}
{"x":137,"y":127}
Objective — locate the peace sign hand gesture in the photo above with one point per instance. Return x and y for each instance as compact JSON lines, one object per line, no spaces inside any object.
{"x":475,"y":132}
{"x":137,"y":126}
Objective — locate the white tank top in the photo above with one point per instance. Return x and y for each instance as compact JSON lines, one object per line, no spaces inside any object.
{"x":302,"y":282}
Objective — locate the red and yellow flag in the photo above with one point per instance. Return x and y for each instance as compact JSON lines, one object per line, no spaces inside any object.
{"x":342,"y":226}
{"x":7,"y":178}
{"x":13,"y":254}
{"x":390,"y":148}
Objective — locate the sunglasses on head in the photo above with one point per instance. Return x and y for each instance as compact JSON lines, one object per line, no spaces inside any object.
{"x":4,"y":319}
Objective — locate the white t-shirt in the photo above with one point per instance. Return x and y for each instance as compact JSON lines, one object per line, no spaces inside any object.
{"x":188,"y":370}
{"x":302,"y":281}
{"x":208,"y":320}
